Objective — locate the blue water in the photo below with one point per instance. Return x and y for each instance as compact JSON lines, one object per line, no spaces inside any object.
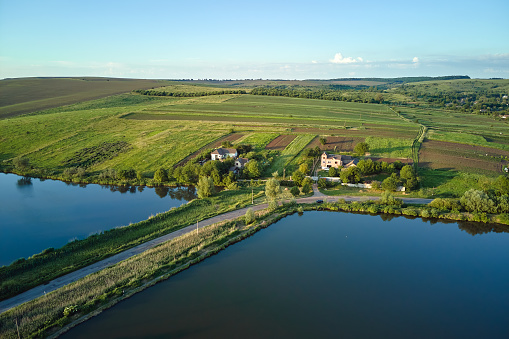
{"x":330,"y":275}
{"x":36,"y":214}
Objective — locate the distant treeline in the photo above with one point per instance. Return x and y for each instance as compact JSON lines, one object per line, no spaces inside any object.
{"x":405,"y":79}
{"x":187,"y":94}
{"x":323,"y":94}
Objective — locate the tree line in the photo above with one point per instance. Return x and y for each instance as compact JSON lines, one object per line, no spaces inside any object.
{"x":152,"y":92}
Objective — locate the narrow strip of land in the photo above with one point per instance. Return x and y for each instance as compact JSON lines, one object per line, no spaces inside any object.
{"x":81,"y":273}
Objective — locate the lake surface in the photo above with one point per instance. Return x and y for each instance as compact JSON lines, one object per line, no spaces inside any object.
{"x":329,"y":275}
{"x":36,"y":214}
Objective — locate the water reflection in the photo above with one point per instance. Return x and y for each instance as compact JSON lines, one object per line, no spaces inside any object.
{"x":25,"y":181}
{"x":38,"y":214}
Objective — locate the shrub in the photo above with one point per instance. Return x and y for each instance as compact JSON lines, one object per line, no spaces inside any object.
{"x":161,"y":175}
{"x":295,"y":191}
{"x":249,"y":217}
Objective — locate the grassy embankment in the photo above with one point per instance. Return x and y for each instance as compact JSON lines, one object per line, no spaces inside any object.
{"x":38,"y":269}
{"x":103,"y":289}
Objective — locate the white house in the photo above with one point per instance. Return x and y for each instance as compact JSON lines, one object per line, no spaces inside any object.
{"x":223,"y":153}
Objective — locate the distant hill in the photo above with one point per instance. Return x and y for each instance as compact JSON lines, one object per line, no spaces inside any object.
{"x":26,"y":95}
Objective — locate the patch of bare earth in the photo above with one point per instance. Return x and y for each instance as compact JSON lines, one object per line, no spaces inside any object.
{"x":280,"y":142}
{"x":441,"y":154}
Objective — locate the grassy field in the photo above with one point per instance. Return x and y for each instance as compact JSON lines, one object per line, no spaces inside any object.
{"x":290,"y":153}
{"x":26,"y":95}
{"x":258,"y":140}
{"x":165,"y":131}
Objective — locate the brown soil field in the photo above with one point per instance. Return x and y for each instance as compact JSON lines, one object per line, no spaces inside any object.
{"x":342,"y":144}
{"x":280,"y":142}
{"x":26,"y":95}
{"x":216,"y":143}
{"x":441,"y":154}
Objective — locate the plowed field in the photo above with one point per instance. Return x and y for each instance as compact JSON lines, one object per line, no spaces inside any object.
{"x":280,"y":142}
{"x":342,"y":144}
{"x":441,"y":154}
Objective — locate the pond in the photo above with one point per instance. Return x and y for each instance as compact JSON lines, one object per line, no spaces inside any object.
{"x":330,"y":275}
{"x":36,"y":214}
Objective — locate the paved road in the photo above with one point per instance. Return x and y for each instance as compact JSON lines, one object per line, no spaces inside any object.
{"x":73,"y":276}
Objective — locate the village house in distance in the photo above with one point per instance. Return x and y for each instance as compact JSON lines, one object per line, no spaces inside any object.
{"x":334,"y":160}
{"x":223,"y":153}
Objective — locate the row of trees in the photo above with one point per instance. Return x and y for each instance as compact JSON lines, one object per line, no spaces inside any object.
{"x":321,"y":93}
{"x":187,"y":94}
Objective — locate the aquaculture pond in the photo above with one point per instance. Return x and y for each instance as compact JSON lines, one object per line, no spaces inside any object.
{"x":36,"y":214}
{"x":331,"y":275}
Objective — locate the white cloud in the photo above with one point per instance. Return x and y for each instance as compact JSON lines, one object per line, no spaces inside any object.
{"x":339,"y":59}
{"x":415,"y":60}
{"x":314,"y":62}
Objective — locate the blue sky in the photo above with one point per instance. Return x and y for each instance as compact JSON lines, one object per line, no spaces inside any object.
{"x":254,"y":39}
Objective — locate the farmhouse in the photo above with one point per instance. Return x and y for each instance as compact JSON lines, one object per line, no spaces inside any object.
{"x":223,"y":153}
{"x":333,"y":160}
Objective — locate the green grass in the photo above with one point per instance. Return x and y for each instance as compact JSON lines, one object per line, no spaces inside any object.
{"x":390,"y":147}
{"x":290,"y":153}
{"x":51,"y":139}
{"x":258,"y":140}
{"x":448,"y":183}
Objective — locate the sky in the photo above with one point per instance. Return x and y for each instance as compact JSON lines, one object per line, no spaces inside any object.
{"x":254,"y":39}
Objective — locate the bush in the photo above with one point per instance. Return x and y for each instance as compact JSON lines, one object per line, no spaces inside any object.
{"x":161,"y":175}
{"x":249,"y":217}
{"x":388,"y":199}
{"x":295,"y":191}
{"x":21,"y":163}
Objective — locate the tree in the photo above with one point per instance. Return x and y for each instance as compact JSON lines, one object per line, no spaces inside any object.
{"x":407,"y":174}
{"x":272,"y":188}
{"x":477,"y":201}
{"x":502,"y":185}
{"x":226,"y":144}
{"x":350,"y":175}
{"x":253,"y":169}
{"x":160,"y":175}
{"x":125,"y":174}
{"x":249,"y":217}
{"x":298,"y":177}
{"x":361,"y":148}
{"x":323,"y":140}
{"x":295,"y":191}
{"x":391,"y":183}
{"x":333,"y":172}
{"x":322,"y":183}
{"x":307,"y":185}
{"x":304,"y":168}
{"x":205,"y":187}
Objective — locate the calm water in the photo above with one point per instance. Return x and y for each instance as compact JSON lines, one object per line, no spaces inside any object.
{"x":329,"y":275}
{"x":35,"y":214}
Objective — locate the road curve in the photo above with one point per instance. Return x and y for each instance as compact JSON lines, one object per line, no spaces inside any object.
{"x":41,"y":290}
